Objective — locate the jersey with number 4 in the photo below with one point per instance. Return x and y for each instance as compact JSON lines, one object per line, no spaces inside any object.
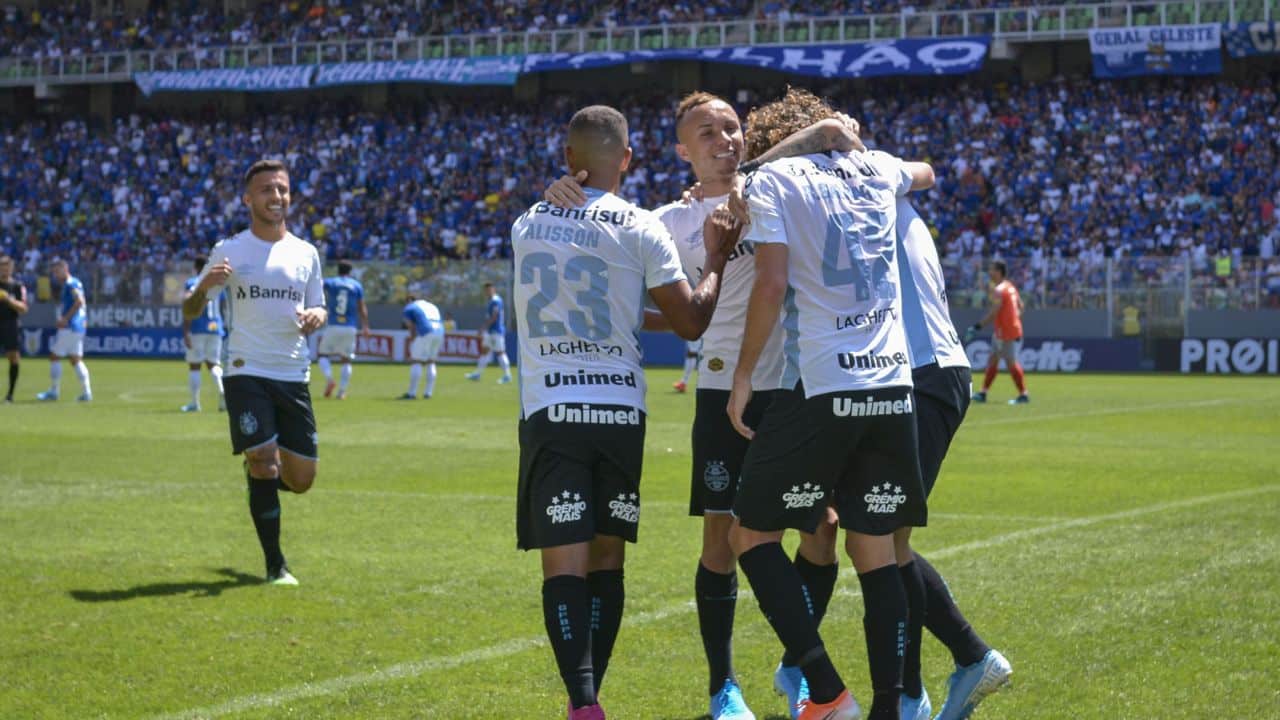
{"x":842,"y":312}
{"x":581,"y":276}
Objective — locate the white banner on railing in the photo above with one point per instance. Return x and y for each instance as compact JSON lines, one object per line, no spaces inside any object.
{"x":459,"y":347}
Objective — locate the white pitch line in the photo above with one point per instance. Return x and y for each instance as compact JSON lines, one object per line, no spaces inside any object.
{"x":512,"y":647}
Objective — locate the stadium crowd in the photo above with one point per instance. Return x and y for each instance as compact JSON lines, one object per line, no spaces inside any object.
{"x":71,"y":27}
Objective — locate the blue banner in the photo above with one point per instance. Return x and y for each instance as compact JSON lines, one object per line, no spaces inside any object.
{"x":952,"y":56}
{"x":124,"y":342}
{"x":1156,"y":50}
{"x":450,"y":71}
{"x":266,"y":79}
{"x":1245,"y":39}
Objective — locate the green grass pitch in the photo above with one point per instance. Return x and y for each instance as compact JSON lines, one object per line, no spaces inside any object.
{"x":1117,"y":540}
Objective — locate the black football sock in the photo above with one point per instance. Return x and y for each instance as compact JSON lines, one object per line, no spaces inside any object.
{"x":264,"y":506}
{"x":608,"y":595}
{"x":717,"y":599}
{"x":781,"y":596}
{"x":913,"y":583}
{"x":945,"y":620}
{"x":13,"y":379}
{"x":819,"y":583}
{"x":565,"y":601}
{"x":885,"y":624}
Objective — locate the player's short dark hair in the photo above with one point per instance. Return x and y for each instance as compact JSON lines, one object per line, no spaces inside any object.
{"x":58,"y":262}
{"x":694,"y":100}
{"x":488,"y":285}
{"x":262,"y":166}
{"x":199,"y":262}
{"x":602,"y":126}
{"x":999,"y":265}
{"x":344,"y":267}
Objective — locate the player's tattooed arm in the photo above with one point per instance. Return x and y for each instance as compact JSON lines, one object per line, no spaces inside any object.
{"x":839,"y":133}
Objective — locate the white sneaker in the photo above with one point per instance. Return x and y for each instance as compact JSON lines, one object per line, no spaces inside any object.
{"x":191,"y":407}
{"x":47,"y":396}
{"x":473,"y":376}
{"x":504,"y":379}
{"x":284,"y":577}
{"x":85,"y":397}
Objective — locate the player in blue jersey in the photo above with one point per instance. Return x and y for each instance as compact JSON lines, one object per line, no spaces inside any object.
{"x":426,"y":335}
{"x":494,"y":340}
{"x":203,"y":339}
{"x":344,"y":298}
{"x":69,"y":341}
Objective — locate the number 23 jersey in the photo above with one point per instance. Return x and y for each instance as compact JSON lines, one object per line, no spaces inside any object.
{"x":581,"y":276}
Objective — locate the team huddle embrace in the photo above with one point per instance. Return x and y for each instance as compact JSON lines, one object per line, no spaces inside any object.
{"x":830,"y":384}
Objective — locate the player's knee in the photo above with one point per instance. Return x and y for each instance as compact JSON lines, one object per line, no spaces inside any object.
{"x":607,"y":553}
{"x":819,"y":548}
{"x":264,"y":463}
{"x":299,"y":479}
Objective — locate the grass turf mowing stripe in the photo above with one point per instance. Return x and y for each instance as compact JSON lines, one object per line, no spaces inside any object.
{"x":417,"y":668}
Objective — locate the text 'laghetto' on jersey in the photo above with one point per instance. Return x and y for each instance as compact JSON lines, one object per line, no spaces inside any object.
{"x":842,"y":313}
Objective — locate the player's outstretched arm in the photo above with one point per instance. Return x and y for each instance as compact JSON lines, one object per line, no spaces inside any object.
{"x":690,"y":311}
{"x":838,"y":133}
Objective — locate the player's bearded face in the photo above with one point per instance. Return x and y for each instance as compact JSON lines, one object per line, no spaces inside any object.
{"x":268,"y":197}
{"x":712,"y":137}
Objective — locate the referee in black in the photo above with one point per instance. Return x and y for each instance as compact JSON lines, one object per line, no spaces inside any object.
{"x":13,"y":304}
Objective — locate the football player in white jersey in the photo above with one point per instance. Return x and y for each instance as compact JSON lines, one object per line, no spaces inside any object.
{"x":823,"y":227}
{"x":941,"y":379}
{"x":582,"y":275}
{"x":274,"y":300}
{"x":711,"y":142}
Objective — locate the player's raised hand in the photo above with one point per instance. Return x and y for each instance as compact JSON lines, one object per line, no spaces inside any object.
{"x":311,"y":319}
{"x":720,"y":232}
{"x":567,"y":191}
{"x":738,"y":399}
{"x":216,"y":275}
{"x":855,"y":128}
{"x":694,"y":193}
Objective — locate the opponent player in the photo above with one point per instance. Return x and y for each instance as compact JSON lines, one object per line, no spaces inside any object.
{"x":13,"y":305}
{"x":1006,"y":342}
{"x":69,"y":340}
{"x":691,"y":352}
{"x":344,"y":302}
{"x":582,"y":275}
{"x":426,"y":335}
{"x":494,"y":341}
{"x":710,"y":136}
{"x":203,"y":339}
{"x":275,"y":299}
{"x":823,"y":229}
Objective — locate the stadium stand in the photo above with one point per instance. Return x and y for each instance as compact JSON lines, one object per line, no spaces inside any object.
{"x":1066,"y":168}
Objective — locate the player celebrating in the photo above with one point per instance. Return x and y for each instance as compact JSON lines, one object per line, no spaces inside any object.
{"x":13,"y":304}
{"x":426,"y":334}
{"x":582,"y":275}
{"x":1006,"y":342}
{"x":274,"y":293}
{"x":338,"y":341}
{"x":203,"y":338}
{"x":69,"y":340}
{"x":494,"y":341}
{"x":823,"y":230}
{"x":711,"y":141}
